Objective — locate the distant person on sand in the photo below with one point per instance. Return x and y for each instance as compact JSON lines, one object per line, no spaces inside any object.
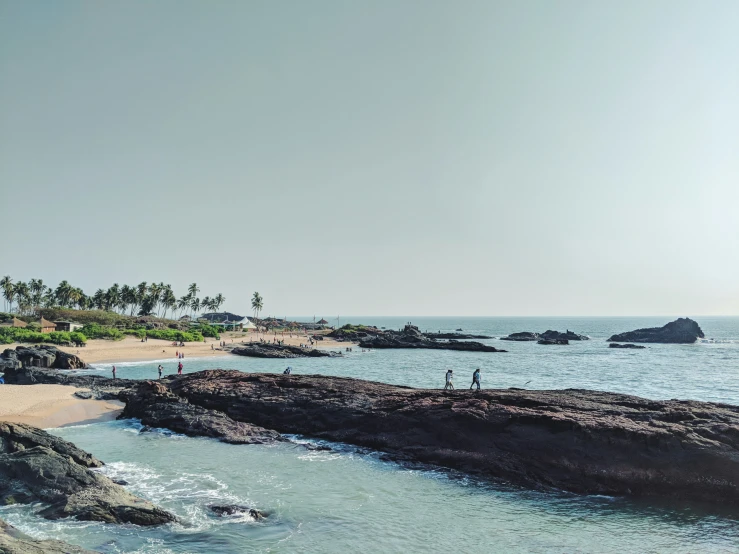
{"x":449,"y":384}
{"x":476,"y":379}
{"x":179,"y":368}
{"x":114,"y":372}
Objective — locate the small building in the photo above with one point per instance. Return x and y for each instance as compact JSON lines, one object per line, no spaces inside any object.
{"x":228,"y":321}
{"x":15,"y":322}
{"x":47,"y":326}
{"x":322,"y":322}
{"x":68,"y":326}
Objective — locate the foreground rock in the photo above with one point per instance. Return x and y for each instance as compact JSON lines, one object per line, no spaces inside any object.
{"x":13,"y":541}
{"x":44,"y":356}
{"x":411,"y":337}
{"x":267,"y":350}
{"x":616,"y":345}
{"x":155,"y":405}
{"x":681,"y":331}
{"x":38,"y":467}
{"x":577,"y":440}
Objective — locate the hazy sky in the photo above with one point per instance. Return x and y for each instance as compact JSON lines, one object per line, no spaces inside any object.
{"x":382,"y":157}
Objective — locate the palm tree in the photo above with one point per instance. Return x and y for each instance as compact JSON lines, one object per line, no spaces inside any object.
{"x":98,"y":299}
{"x":183,"y":302}
{"x":49,"y":299}
{"x":114,"y":297}
{"x":206,"y":303}
{"x":23,"y":294}
{"x":169,"y":300}
{"x":219,"y":300}
{"x":62,"y":294}
{"x":6,"y":283}
{"x":141,"y":293}
{"x":257,"y":304}
{"x":195,"y":305}
{"x":37,"y":290}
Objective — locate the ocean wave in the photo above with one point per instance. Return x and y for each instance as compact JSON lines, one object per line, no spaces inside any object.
{"x":108,"y":365}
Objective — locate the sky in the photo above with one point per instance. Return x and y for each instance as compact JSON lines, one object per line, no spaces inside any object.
{"x":419,"y":157}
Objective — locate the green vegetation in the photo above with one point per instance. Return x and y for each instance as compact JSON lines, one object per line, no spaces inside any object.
{"x":174,"y":335}
{"x":97,"y":331}
{"x":17,"y":334}
{"x":207,"y":330}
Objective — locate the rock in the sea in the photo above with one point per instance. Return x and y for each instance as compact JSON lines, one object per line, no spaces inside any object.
{"x":552,"y":341}
{"x":267,"y":350}
{"x":43,"y":356}
{"x":558,"y":335}
{"x":236,"y":509}
{"x":411,"y":337}
{"x":38,"y":467}
{"x":577,"y":440}
{"x":681,"y":331}
{"x":154,"y":404}
{"x":12,"y":541}
{"x":616,"y":345}
{"x":524,"y":336}
{"x":455,"y":336}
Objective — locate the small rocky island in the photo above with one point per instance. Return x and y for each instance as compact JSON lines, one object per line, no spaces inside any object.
{"x":269,"y":350}
{"x":681,"y":331}
{"x":547,"y":337}
{"x":411,"y":337}
{"x":632,"y":346}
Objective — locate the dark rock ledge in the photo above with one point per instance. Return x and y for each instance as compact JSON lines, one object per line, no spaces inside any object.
{"x":577,"y":440}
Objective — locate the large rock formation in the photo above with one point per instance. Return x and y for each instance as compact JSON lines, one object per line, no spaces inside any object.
{"x":577,"y":440}
{"x":681,"y":331}
{"x":154,"y":404}
{"x":558,"y":335}
{"x":38,"y":467}
{"x":44,"y":356}
{"x":267,"y":350}
{"x":549,"y":337}
{"x":13,"y":541}
{"x":354,"y":333}
{"x":411,"y":337}
{"x":455,"y":336}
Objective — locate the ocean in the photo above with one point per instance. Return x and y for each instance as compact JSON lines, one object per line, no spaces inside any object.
{"x":350,"y":500}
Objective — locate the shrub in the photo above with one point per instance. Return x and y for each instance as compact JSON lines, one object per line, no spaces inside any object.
{"x":207,"y":330}
{"x":15,"y":334}
{"x":97,"y":331}
{"x":138,"y":333}
{"x":174,"y":335}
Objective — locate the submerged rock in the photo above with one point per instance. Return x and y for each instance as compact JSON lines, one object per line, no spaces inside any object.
{"x":267,"y":350}
{"x":552,"y":341}
{"x":681,"y":331}
{"x":12,"y":541}
{"x":236,"y":509}
{"x":577,"y":440}
{"x":411,"y":337}
{"x":455,"y":336}
{"x":616,"y":345}
{"x":38,"y":467}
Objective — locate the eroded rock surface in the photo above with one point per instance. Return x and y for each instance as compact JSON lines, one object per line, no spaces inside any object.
{"x":268,"y":350}
{"x":577,"y":440}
{"x":411,"y":337}
{"x":524,"y":336}
{"x":101,"y":388}
{"x":681,"y":331}
{"x":44,"y":356}
{"x":38,"y":467}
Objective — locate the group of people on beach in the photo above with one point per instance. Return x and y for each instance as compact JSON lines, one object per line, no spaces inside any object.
{"x":450,"y":374}
{"x":160,"y":369}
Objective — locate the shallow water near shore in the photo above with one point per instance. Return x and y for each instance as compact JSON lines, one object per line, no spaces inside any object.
{"x":349,"y":499}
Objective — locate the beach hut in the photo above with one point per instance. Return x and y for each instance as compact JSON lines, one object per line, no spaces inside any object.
{"x":47,"y":326}
{"x":323,"y":322}
{"x":68,"y":326}
{"x":15,"y":322}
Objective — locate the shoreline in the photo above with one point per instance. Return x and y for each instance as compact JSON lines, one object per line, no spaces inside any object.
{"x":131,"y":349}
{"x":52,"y":406}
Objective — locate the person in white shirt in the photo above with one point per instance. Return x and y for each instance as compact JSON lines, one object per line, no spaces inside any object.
{"x":449,"y":384}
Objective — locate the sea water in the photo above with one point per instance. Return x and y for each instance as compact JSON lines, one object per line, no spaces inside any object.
{"x":350,"y":500}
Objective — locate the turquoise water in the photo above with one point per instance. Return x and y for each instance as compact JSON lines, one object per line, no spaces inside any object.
{"x":349,"y":500}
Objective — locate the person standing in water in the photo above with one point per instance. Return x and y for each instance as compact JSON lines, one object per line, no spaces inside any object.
{"x":179,"y":368}
{"x":449,"y":384}
{"x":114,"y":372}
{"x":160,"y":370}
{"x":476,"y":379}
{"x":288,"y":371}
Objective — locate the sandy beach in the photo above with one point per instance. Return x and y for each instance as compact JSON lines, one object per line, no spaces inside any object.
{"x":131,"y":349}
{"x":47,"y":406}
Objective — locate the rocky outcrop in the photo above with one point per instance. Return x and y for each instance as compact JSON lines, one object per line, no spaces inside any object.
{"x":411,"y":337}
{"x":552,"y":341}
{"x":616,"y":345}
{"x":577,"y":440}
{"x":353,"y":333}
{"x":38,"y":467}
{"x":101,"y":388}
{"x":236,"y":509}
{"x":558,"y":335}
{"x":521,"y":337}
{"x":267,"y":350}
{"x":43,"y":356}
{"x":13,"y":541}
{"x":154,"y":404}
{"x":681,"y":331}
{"x":455,"y":336}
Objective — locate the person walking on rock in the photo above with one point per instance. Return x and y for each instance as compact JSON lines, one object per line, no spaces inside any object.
{"x":179,"y":368}
{"x":160,"y":370}
{"x":449,"y":384}
{"x":114,"y":372}
{"x":476,"y":379}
